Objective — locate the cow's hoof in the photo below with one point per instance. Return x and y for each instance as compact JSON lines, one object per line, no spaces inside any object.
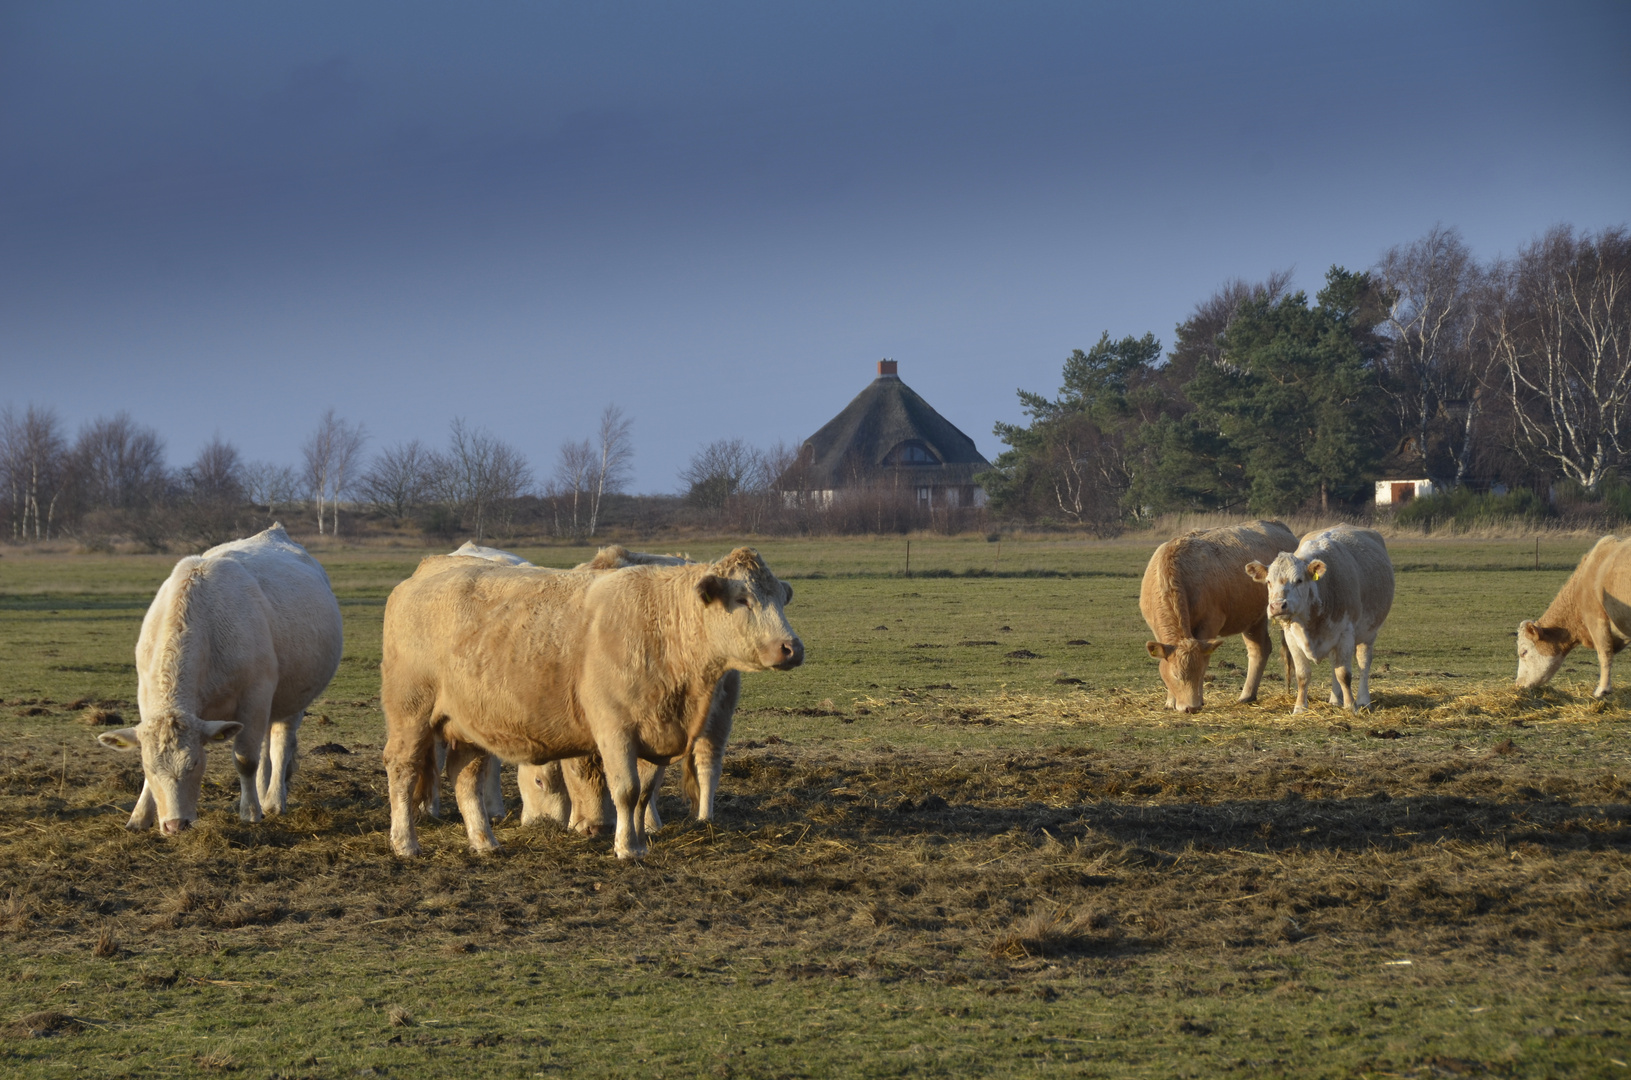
{"x":635,"y":853}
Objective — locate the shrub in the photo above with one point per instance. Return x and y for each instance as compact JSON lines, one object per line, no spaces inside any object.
{"x":1461,"y":509}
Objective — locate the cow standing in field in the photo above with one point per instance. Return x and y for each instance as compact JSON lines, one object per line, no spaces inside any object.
{"x":573,"y":792}
{"x":237,"y":643}
{"x":1331,"y":596}
{"x":1593,"y":608}
{"x":537,"y":667}
{"x":1193,"y":596}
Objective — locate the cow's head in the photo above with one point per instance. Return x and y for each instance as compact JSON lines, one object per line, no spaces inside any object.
{"x":1183,"y":670}
{"x":1294,"y":594}
{"x":172,"y":761}
{"x":749,"y":626}
{"x":1541,"y":650}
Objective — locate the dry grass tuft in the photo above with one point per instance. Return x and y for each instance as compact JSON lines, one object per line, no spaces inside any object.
{"x":399,"y":1017}
{"x":100,"y":717}
{"x":106,"y":945}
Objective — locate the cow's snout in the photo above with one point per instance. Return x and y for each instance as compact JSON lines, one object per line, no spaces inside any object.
{"x":789,"y":654}
{"x":174,"y":826}
{"x":1189,"y":708}
{"x":1277,"y":607}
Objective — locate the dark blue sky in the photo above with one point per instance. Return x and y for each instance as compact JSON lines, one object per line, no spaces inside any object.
{"x":229,"y":217}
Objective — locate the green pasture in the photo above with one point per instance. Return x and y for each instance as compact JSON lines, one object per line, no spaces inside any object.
{"x":1103,"y":891}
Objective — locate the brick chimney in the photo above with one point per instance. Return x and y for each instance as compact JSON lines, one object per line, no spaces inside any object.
{"x":887,"y":368}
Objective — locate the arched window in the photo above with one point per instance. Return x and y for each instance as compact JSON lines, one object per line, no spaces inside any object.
{"x":911,"y":452}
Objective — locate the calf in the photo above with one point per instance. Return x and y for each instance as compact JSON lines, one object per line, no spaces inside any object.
{"x":1593,"y":608}
{"x":1331,"y":597}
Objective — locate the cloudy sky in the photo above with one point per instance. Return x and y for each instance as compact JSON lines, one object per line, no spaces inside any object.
{"x":230,"y":217}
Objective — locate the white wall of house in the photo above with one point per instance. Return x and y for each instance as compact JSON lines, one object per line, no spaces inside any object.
{"x":1395,"y":492}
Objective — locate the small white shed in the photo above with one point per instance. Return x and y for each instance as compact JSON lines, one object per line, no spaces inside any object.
{"x":1398,"y":492}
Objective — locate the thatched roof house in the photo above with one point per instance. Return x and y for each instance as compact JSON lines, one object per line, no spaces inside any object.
{"x":889,"y":437}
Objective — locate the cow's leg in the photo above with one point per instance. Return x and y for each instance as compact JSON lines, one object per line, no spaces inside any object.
{"x":1305,"y":668}
{"x":543,"y":794}
{"x":1285,"y":656}
{"x":146,"y":811}
{"x":586,"y":785}
{"x":492,"y":787}
{"x":465,"y":762}
{"x":410,"y":758}
{"x":618,"y":757}
{"x":279,"y":762}
{"x":1342,"y":664}
{"x":1362,"y":658}
{"x":1602,"y":634}
{"x":253,"y":712}
{"x":1258,"y":647}
{"x":706,"y":761}
{"x":651,"y":785}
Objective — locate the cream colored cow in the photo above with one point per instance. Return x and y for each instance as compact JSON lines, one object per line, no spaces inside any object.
{"x":536,"y":667}
{"x":237,"y":643}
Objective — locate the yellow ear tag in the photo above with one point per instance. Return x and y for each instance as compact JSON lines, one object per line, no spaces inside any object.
{"x":1316,"y":575}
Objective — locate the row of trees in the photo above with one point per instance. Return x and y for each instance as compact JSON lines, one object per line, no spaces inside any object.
{"x":1430,"y":364}
{"x":112,"y":481}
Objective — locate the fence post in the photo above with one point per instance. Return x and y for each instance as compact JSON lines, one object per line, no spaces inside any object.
{"x":908,"y":558}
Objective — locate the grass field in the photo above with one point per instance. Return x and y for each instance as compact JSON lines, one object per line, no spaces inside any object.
{"x":963,"y":839}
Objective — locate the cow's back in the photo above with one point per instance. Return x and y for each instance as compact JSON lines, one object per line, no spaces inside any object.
{"x":1600,"y":586}
{"x":495,"y":648}
{"x":1199,"y":578}
{"x":302,"y":614}
{"x":1359,"y":579}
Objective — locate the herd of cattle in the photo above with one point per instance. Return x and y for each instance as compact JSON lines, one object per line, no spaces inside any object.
{"x":594,"y":679}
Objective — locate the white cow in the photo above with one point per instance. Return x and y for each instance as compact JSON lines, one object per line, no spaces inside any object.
{"x":237,"y":643}
{"x":1331,"y":597}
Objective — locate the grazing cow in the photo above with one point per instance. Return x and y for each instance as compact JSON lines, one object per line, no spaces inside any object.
{"x":1193,"y":597}
{"x":1593,"y":608}
{"x":1331,"y":597}
{"x":534,"y":667}
{"x":235,"y":645}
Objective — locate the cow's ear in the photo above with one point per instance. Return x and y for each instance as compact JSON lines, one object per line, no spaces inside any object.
{"x":714,"y":589}
{"x":1316,"y":569}
{"x":1210,"y":647}
{"x":123,"y":739}
{"x":221,"y":730}
{"x":1529,"y":629}
{"x":1257,"y":571}
{"x":1159,"y":650}
{"x":787,"y":593}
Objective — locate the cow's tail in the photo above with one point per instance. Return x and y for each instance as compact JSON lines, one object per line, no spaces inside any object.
{"x":424,"y":785}
{"x":688,"y":779}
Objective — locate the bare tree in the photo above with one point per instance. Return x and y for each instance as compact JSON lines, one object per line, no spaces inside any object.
{"x":1436,"y":374}
{"x":571,"y":481}
{"x":331,"y":456}
{"x":34,"y":457}
{"x":720,"y":470}
{"x":614,"y":456}
{"x":216,"y":474}
{"x":479,"y":474}
{"x":399,"y":479}
{"x":1199,"y":337}
{"x":269,"y":485}
{"x":118,"y":464}
{"x":1562,"y":332}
